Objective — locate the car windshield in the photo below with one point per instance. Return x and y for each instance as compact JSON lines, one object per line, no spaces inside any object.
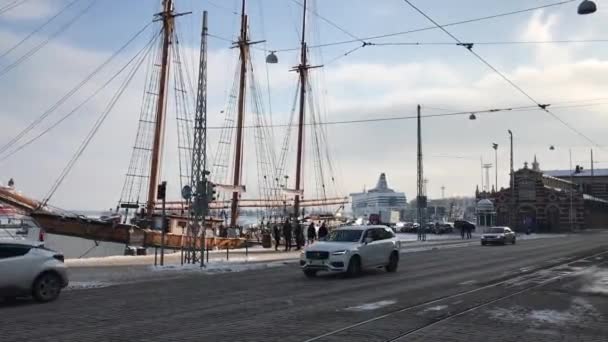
{"x":345,"y":235}
{"x":496,"y":230}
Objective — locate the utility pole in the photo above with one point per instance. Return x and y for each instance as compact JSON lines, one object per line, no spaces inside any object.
{"x":571,"y":191}
{"x":592,"y":175}
{"x":167,"y":18}
{"x":442,"y":191}
{"x":199,"y":200}
{"x":421,"y":199}
{"x":495,"y":147}
{"x":243,"y":45}
{"x":512,"y":174}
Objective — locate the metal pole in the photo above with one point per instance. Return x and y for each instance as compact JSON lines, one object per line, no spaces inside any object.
{"x":592,"y":175}
{"x":420,"y":179}
{"x":512,"y":173}
{"x":496,"y":168}
{"x":155,"y":255}
{"x":571,"y":189}
{"x":164,"y":231}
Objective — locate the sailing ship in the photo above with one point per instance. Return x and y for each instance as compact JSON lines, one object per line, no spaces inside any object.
{"x":141,"y":219}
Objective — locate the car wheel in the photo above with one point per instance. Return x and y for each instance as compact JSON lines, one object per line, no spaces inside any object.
{"x":310,"y":273}
{"x":513,"y":240}
{"x":354,"y":266}
{"x":46,"y":287}
{"x":483,"y":243}
{"x":393,"y":262}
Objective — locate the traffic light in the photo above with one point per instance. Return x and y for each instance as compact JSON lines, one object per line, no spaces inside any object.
{"x":211,"y":191}
{"x":161,"y":193}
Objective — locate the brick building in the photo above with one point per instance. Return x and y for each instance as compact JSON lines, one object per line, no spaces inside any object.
{"x":545,"y":203}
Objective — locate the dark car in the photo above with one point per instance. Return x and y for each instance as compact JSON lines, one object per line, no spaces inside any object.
{"x":461,"y":224}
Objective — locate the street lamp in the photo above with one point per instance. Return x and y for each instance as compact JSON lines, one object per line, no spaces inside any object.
{"x":495,"y":147}
{"x":587,"y":7}
{"x":513,"y":217}
{"x":272,"y":58}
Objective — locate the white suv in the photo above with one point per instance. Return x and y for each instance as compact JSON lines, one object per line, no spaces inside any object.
{"x":27,"y":268}
{"x":350,"y":249}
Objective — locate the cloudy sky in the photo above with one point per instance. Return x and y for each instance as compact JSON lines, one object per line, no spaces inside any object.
{"x":371,"y":82}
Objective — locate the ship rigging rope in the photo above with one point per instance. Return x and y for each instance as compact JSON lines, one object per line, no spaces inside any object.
{"x":81,"y":104}
{"x":11,"y":5}
{"x":67,"y":96}
{"x":503,"y":76}
{"x":37,"y":29}
{"x":43,"y":43}
{"x":94,"y":129}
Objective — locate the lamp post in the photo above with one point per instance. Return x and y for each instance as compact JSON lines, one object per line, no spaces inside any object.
{"x":512,"y":173}
{"x":495,"y":147}
{"x":587,"y":7}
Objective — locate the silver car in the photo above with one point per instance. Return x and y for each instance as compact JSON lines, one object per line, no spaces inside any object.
{"x":500,"y":235}
{"x":29,"y":269}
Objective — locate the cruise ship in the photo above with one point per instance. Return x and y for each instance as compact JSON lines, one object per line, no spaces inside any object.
{"x":387,"y":203}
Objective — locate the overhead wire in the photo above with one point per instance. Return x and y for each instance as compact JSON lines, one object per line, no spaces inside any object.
{"x":427,"y":28}
{"x":469,"y":48}
{"x":43,"y":43}
{"x":11,"y":5}
{"x":75,"y":89}
{"x":39,"y":28}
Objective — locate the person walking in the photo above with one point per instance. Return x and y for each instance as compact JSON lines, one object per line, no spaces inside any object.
{"x":287,"y":235}
{"x":469,"y":230}
{"x":277,"y":236}
{"x":298,"y":234}
{"x":323,"y":231}
{"x":311,"y":234}
{"x":463,"y":229}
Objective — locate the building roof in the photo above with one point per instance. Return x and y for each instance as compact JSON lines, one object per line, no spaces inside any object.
{"x":583,"y":173}
{"x":485,"y":205}
{"x":594,"y":199}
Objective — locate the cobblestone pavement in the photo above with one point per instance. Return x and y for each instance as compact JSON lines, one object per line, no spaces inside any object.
{"x":280,"y":304}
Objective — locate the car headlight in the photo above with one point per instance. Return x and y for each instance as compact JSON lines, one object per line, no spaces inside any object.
{"x":483,"y":237}
{"x":338,"y":252}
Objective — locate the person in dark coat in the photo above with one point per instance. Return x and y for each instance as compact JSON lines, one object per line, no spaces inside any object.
{"x":323,"y":231}
{"x":311,"y":233}
{"x":299,"y":235}
{"x":287,"y":235}
{"x":277,"y":236}
{"x":463,"y":229}
{"x":469,"y":228}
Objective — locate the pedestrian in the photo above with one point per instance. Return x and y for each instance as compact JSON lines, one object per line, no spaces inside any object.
{"x":323,"y":231}
{"x":469,"y":230}
{"x":298,"y":234}
{"x":311,"y":234}
{"x":287,"y":235}
{"x":277,"y":236}
{"x":463,"y":229}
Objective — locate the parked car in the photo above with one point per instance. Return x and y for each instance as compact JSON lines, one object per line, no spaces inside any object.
{"x":443,"y":228}
{"x":500,"y":235}
{"x":29,"y":269}
{"x":351,"y":249}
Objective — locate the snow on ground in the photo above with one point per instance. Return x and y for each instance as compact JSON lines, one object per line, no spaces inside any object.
{"x":219,"y":266}
{"x":85,"y":285}
{"x":436,"y":308}
{"x":579,"y":309}
{"x":596,"y":281}
{"x":371,"y":306}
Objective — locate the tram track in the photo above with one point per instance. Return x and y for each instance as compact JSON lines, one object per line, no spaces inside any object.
{"x":516,"y":284}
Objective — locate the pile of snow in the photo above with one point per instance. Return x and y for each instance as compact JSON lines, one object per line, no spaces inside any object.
{"x":217,"y":267}
{"x":85,"y":285}
{"x":436,"y":308}
{"x":371,"y":306}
